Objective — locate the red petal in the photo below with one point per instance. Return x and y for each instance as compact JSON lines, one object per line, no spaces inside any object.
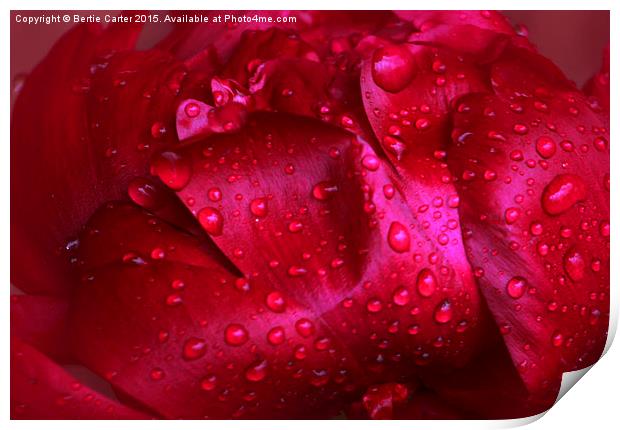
{"x":519,"y":72}
{"x":89,"y":150}
{"x":490,"y":387}
{"x":379,"y":401}
{"x":598,"y":86}
{"x":426,"y":405}
{"x":299,"y":83}
{"x":196,"y":119}
{"x":484,"y":19}
{"x":308,"y":210}
{"x":256,"y":47}
{"x":190,"y":339}
{"x":412,"y":124}
{"x":42,"y":322}
{"x":106,"y":241}
{"x":50,"y":159}
{"x":534,"y":183}
{"x":408,"y":92}
{"x":397,"y":401}
{"x":40,"y":389}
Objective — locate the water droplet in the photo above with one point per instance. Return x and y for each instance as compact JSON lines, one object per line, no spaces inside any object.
{"x":258,"y":207}
{"x":562,"y":193}
{"x":192,"y":110}
{"x":157,"y":374}
{"x":208,"y":383}
{"x":426,"y":283}
{"x":211,"y":221}
{"x":516,"y":287}
{"x":145,"y":192}
{"x":289,"y":169}
{"x":257,"y":371}
{"x":275,"y":301}
{"x":194,"y":348}
{"x":214,"y":194}
{"x":422,"y":124}
{"x":398,"y":237}
{"x":322,"y":344}
{"x":158,"y":254}
{"x":536,"y":228}
{"x":300,"y":352}
{"x":295,"y":226}
{"x":173,"y":169}
{"x":575,"y":265}
{"x":319,"y":377}
{"x":443,"y":312}
{"x":324,"y":190}
{"x":304,"y":327}
{"x":388,"y":191}
{"x":371,"y":162}
{"x":296,"y":271}
{"x":275,"y":336}
{"x":512,"y":215}
{"x":395,"y":145}
{"x":520,"y":128}
{"x":158,"y":130}
{"x":600,"y":143}
{"x":374,"y":305}
{"x":174,"y":300}
{"x":557,"y":339}
{"x":604,"y":229}
{"x":393,"y":67}
{"x":401,"y":296}
{"x":236,"y":335}
{"x":545,"y":146}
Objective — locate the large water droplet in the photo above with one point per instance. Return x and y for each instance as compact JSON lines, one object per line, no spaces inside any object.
{"x":211,"y":221}
{"x":236,"y":335}
{"x":511,"y":215}
{"x":258,"y":207}
{"x":426,"y":283}
{"x":393,"y":67}
{"x":275,"y":301}
{"x":173,"y":169}
{"x":324,"y":190}
{"x":304,"y":327}
{"x":398,"y":237}
{"x":562,"y":193}
{"x":374,"y":305}
{"x":194,"y":348}
{"x":401,"y":296}
{"x":275,"y":336}
{"x":145,"y":192}
{"x":371,"y":162}
{"x":443,"y":312}
{"x":516,"y":287}
{"x":545,"y":146}
{"x":574,"y":264}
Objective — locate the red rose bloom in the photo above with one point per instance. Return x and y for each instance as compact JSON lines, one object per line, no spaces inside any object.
{"x":384,"y":214}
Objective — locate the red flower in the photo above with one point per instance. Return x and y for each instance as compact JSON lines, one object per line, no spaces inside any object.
{"x":392,"y":215}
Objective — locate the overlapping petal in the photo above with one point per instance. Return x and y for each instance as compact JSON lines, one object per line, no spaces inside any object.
{"x":306,"y":208}
{"x":533,"y":173}
{"x":40,"y":389}
{"x":118,"y":108}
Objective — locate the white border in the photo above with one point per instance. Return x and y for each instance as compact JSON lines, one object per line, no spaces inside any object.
{"x":593,"y":403}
